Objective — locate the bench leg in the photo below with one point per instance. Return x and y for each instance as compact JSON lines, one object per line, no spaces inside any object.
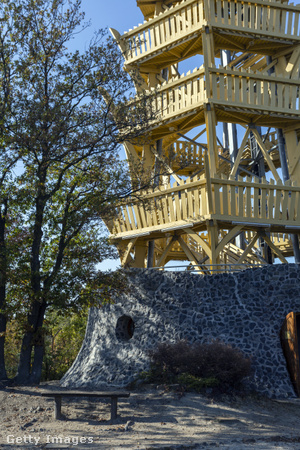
{"x":57,"y":408}
{"x":114,"y":407}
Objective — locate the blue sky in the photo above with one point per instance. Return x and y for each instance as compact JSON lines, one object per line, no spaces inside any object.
{"x":119,"y":14}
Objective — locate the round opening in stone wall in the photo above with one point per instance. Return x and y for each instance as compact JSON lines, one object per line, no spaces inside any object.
{"x":124,"y":328}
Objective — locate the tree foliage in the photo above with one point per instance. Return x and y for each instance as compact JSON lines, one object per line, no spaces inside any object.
{"x":63,"y":337}
{"x":63,"y":117}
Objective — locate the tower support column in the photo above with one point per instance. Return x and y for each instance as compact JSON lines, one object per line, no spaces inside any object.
{"x":286,"y":176}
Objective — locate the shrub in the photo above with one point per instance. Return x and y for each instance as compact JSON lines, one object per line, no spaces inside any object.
{"x":190,"y":382}
{"x":216,"y":361}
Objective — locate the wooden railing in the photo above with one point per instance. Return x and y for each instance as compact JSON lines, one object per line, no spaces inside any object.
{"x":247,"y":201}
{"x":192,"y":244}
{"x":186,"y":154}
{"x":270,"y":139}
{"x":270,"y":18}
{"x":177,"y":23}
{"x":192,"y":202}
{"x":225,"y":86}
{"x":246,"y":88}
{"x":180,"y":95}
{"x":162,"y":207}
{"x":281,"y":240}
{"x":180,"y":23}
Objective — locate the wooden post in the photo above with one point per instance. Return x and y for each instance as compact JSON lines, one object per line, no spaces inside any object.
{"x":285,"y":174}
{"x":150,"y":256}
{"x":57,"y":407}
{"x":210,"y":121}
{"x":212,"y":229}
{"x":157,"y":169}
{"x":140,"y":255}
{"x":132,"y":157}
{"x":229,"y":129}
{"x":158,"y":7}
{"x":147,"y":158}
{"x":113,"y":408}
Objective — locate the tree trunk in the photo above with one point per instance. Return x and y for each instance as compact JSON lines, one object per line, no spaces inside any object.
{"x":3,"y":270}
{"x":33,"y":338}
{"x":3,"y":375}
{"x":28,"y":374}
{"x":37,"y":364}
{"x":23,"y":373}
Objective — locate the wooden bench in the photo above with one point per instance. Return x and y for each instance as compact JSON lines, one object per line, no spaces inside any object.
{"x":114,"y":395}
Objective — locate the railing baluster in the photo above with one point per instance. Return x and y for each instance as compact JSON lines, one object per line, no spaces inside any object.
{"x":184,"y":19}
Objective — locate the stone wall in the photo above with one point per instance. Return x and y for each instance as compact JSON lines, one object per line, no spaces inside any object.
{"x":245,"y":309}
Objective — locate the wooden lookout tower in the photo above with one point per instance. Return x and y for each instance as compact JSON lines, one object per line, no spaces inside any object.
{"x":226,"y":134}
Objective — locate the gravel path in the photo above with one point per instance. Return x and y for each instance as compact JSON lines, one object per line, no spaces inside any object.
{"x":150,"y":419}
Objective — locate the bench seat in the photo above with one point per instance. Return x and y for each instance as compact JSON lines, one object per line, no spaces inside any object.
{"x":113,"y":395}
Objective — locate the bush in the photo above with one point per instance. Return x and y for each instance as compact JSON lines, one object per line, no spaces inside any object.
{"x":216,"y":361}
{"x":190,"y":382}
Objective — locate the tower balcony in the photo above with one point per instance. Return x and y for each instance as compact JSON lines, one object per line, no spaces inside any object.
{"x":252,"y":205}
{"x":176,"y":34}
{"x":239,"y":96}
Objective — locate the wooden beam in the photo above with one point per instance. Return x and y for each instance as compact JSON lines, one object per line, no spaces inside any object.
{"x":169,"y":170}
{"x":201,"y":269}
{"x":118,"y":38}
{"x":266,"y":154}
{"x":190,"y":46}
{"x":293,"y":152}
{"x":242,"y":168}
{"x":210,"y":203}
{"x":131,"y":153}
{"x":126,"y":255}
{"x":240,"y":153}
{"x":236,"y":117}
{"x":232,"y":40}
{"x":191,"y":118}
{"x":191,"y":257}
{"x":235,"y":61}
{"x":199,"y":134}
{"x":167,"y":250}
{"x":285,"y":51}
{"x":147,"y":157}
{"x":274,"y":248}
{"x":213,"y":241}
{"x":132,"y":158}
{"x":229,"y":236}
{"x":292,"y":68}
{"x":187,"y":251}
{"x":193,"y":141}
{"x":140,"y":255}
{"x":175,"y":52}
{"x":210,"y":121}
{"x":248,"y":248}
{"x":199,"y":241}
{"x":208,"y":54}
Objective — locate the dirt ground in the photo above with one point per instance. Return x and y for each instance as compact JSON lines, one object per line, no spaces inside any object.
{"x":152,"y":418}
